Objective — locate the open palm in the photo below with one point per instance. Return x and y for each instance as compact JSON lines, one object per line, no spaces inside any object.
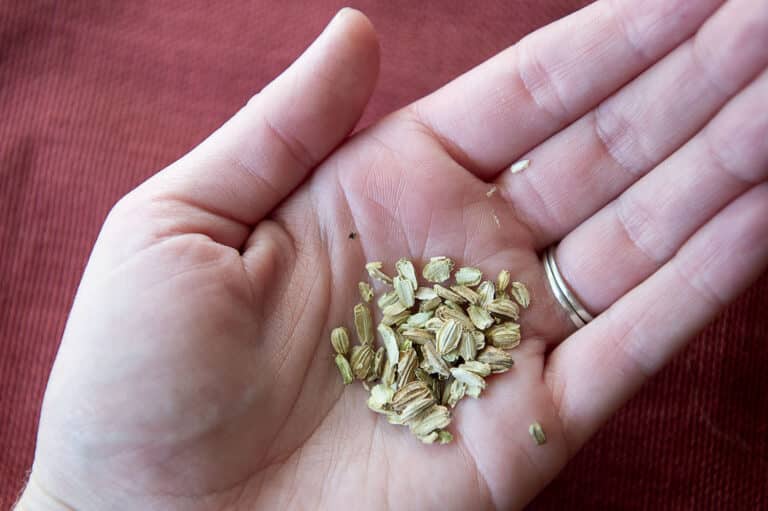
{"x":196,"y":372}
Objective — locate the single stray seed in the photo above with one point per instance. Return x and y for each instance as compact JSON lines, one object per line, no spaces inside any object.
{"x":340,"y":340}
{"x":502,"y":281}
{"x":498,"y":360}
{"x":366,"y":291}
{"x":344,"y":368}
{"x":537,"y":433}
{"x":520,"y":166}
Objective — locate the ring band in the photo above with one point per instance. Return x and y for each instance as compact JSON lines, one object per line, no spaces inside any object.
{"x":575,"y":310}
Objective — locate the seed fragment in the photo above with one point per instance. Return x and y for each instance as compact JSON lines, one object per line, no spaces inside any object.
{"x":537,"y":432}
{"x":366,"y":291}
{"x":374,"y":271}
{"x":519,"y":166}
{"x":432,"y":362}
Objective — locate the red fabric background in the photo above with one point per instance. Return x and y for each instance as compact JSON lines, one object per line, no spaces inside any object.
{"x":95,"y":96}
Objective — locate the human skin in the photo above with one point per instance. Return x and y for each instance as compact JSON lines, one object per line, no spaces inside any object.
{"x":195,"y":371}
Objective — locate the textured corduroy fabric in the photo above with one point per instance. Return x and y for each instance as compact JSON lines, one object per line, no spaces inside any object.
{"x":95,"y":96}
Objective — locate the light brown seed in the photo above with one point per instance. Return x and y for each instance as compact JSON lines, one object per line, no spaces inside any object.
{"x":467,"y":349}
{"x":521,"y":295}
{"x":389,"y":375}
{"x":404,"y":291}
{"x":381,"y":396}
{"x":477,"y":367}
{"x":406,"y":271}
{"x":435,"y":417}
{"x":361,"y":361}
{"x":378,"y":363}
{"x":430,"y":305}
{"x":404,"y":395}
{"x":340,"y":340}
{"x":446,"y":313}
{"x":425,"y":293}
{"x":502,"y":281}
{"x":374,"y":271}
{"x":363,"y":323}
{"x":468,"y":378}
{"x":479,"y":339}
{"x":537,"y":432}
{"x":396,"y":319}
{"x":505,"y":335}
{"x":480,"y":317}
{"x":396,"y":308}
{"x":447,"y":294}
{"x":469,"y":295}
{"x":433,"y":324}
{"x":419,"y":335}
{"x":419,"y":319}
{"x":468,"y":276}
{"x":504,"y":307}
{"x":389,"y":340}
{"x":519,"y":166}
{"x":438,"y":269}
{"x":344,"y":368}
{"x":498,"y":360}
{"x":366,"y":291}
{"x":454,"y":392}
{"x":448,"y":337}
{"x":487,"y":292}
{"x":387,"y":299}
{"x":432,"y":362}
{"x":406,"y":367}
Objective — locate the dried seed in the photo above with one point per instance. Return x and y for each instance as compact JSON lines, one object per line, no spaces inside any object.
{"x":405,"y":270}
{"x":447,"y":294}
{"x":433,"y":324}
{"x":404,"y":291}
{"x":537,"y":432}
{"x":469,"y":295}
{"x":430,"y":305}
{"x":447,"y":338}
{"x":389,"y":374}
{"x":474,"y":391}
{"x":374,"y":270}
{"x":340,"y":340}
{"x":380,"y":397}
{"x":446,"y":313}
{"x":480,"y":317}
{"x":487,"y":292}
{"x":366,"y":291}
{"x":397,"y":319}
{"x":396,"y":308}
{"x":361,"y":361}
{"x":468,"y":276}
{"x":418,"y":335}
{"x":504,"y":307}
{"x":414,"y":390}
{"x":505,"y":335}
{"x":363,"y":323}
{"x":425,"y":293}
{"x":452,"y":356}
{"x":502,"y":281}
{"x":444,"y":437}
{"x":519,"y":166}
{"x":435,"y":417}
{"x":521,"y":295}
{"x":479,"y":339}
{"x":432,"y":362}
{"x":406,"y":366}
{"x":389,"y":340}
{"x":416,"y":407}
{"x":490,"y":192}
{"x":344,"y":368}
{"x":477,"y":367}
{"x":378,"y":363}
{"x":468,"y":378}
{"x":467,"y":349}
{"x":454,"y":392}
{"x":438,"y":269}
{"x":387,"y":299}
{"x":498,"y":360}
{"x":417,"y":320}
{"x":430,"y":438}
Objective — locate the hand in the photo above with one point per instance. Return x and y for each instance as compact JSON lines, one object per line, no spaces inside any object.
{"x":196,"y":373}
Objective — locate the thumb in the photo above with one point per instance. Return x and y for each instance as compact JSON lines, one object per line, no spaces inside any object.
{"x":249,"y":165}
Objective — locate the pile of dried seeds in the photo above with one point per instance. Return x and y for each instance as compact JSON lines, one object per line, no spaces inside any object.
{"x":438,"y":342}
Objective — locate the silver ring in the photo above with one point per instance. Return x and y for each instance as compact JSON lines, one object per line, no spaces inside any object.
{"x":575,"y":310}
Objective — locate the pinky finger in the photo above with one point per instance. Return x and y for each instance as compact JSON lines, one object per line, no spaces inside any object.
{"x":601,"y":366}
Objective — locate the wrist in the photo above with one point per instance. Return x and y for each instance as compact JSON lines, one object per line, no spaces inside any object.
{"x":36,"y":498}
